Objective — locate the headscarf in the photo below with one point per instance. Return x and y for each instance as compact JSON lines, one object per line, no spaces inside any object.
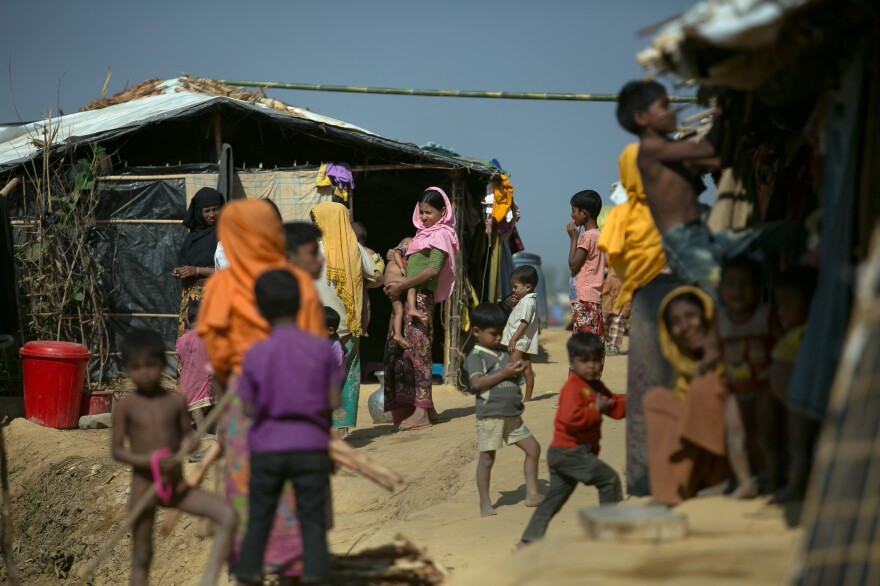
{"x":441,"y":236}
{"x":629,"y":237}
{"x":229,"y":321}
{"x":684,"y":365}
{"x":344,"y":268}
{"x":201,"y":242}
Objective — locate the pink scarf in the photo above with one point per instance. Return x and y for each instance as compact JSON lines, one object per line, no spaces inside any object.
{"x":441,"y":236}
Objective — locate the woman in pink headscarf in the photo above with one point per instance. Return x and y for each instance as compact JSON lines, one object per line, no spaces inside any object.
{"x":430,"y":271}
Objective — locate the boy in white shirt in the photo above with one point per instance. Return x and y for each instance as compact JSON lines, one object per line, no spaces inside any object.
{"x":521,"y":332}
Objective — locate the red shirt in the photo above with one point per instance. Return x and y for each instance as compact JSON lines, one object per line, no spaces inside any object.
{"x":578,"y":419}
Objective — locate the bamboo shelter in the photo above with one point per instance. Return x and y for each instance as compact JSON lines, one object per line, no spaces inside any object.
{"x":102,"y":193}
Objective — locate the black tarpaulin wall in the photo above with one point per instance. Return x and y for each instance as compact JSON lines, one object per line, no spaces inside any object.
{"x":138,"y":258}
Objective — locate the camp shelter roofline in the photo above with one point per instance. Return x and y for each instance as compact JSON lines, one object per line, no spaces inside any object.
{"x":174,"y":102}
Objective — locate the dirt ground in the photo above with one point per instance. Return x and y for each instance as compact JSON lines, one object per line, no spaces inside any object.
{"x":68,"y":497}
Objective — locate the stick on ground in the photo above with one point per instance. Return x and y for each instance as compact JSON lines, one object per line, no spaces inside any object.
{"x":6,"y":541}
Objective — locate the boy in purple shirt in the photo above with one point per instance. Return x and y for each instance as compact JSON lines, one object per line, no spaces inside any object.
{"x":290,"y":428}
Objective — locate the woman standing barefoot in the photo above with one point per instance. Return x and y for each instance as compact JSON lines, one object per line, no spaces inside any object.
{"x":431,"y":272}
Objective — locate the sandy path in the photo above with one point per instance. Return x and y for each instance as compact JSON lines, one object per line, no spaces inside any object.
{"x":730,"y":542}
{"x":438,"y":508}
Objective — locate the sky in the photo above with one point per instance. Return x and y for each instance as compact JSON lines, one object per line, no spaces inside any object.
{"x":56,"y":55}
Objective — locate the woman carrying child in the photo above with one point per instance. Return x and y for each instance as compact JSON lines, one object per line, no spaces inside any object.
{"x":229,"y":324}
{"x":347,"y":272}
{"x":430,"y":270}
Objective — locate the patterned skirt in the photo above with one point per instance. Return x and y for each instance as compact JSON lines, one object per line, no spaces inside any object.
{"x":346,"y":415}
{"x":586,"y":318}
{"x":191,"y":296}
{"x":284,"y":548}
{"x":408,"y":372}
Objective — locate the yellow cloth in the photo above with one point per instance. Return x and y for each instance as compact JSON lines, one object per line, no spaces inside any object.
{"x":344,"y":267}
{"x":629,"y":237}
{"x":322,"y":180}
{"x":685,"y":366}
{"x":788,"y":346}
{"x":503,"y":191}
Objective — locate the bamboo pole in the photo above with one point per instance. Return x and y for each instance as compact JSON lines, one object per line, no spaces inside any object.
{"x":352,"y":89}
{"x":109,"y":222}
{"x":9,"y":187}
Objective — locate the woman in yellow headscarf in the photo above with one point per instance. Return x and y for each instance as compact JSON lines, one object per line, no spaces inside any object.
{"x":230,"y":323}
{"x":694,"y":432}
{"x":341,"y":287}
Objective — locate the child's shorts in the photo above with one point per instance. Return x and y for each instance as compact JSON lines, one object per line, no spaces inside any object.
{"x":494,"y":432}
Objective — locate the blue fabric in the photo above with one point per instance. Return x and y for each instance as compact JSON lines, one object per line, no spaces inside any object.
{"x":817,"y":360}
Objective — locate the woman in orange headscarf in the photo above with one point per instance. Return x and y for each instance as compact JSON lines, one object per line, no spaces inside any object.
{"x":229,"y":323}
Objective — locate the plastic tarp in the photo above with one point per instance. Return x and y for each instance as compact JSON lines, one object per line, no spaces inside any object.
{"x":137,"y":258}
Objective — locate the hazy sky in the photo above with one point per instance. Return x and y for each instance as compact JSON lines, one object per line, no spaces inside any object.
{"x":58,"y":53}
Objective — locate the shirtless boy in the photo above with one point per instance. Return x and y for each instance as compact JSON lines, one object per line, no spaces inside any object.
{"x":395,"y":272}
{"x":670,"y":171}
{"x":156,"y":424}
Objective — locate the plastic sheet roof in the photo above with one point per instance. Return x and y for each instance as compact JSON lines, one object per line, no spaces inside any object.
{"x":724,"y":24}
{"x":20,"y":143}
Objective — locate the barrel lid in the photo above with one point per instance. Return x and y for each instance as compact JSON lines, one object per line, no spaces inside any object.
{"x":54,"y":349}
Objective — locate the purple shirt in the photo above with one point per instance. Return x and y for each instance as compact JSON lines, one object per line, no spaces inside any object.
{"x":285,"y":379}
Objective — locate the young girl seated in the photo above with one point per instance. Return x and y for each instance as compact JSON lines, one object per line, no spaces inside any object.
{"x":748,"y":328}
{"x":395,"y":272}
{"x":691,"y":446}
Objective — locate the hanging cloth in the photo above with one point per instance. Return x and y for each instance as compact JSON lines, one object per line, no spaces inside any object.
{"x":629,"y":236}
{"x":503,"y":192}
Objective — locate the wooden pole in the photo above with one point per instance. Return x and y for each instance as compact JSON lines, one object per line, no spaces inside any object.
{"x":9,"y":187}
{"x":6,"y":541}
{"x":454,"y":304}
{"x":352,"y":89}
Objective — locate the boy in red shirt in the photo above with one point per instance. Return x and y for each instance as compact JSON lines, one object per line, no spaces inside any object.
{"x":573,"y":456}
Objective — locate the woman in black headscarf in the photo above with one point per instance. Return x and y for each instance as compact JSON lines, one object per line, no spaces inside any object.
{"x":196,"y":258}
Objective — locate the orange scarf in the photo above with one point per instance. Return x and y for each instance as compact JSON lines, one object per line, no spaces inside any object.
{"x":229,"y":322}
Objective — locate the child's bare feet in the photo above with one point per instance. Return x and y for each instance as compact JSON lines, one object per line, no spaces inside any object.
{"x":519,"y":545}
{"x":487,"y":510}
{"x":419,"y":315}
{"x":713,"y":490}
{"x":534,"y":500}
{"x":401,"y":341}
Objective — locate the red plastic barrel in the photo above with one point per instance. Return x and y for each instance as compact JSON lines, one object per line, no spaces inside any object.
{"x":53,"y":382}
